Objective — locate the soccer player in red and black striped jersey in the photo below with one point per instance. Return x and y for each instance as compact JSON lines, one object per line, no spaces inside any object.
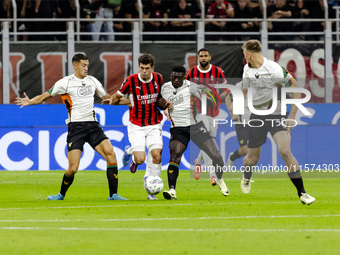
{"x":145,"y":128}
{"x":208,"y":75}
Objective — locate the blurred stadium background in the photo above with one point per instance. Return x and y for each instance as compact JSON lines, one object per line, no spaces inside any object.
{"x":34,"y":138}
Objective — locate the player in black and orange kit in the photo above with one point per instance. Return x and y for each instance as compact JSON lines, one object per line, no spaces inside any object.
{"x":145,"y":128}
{"x":208,"y":75}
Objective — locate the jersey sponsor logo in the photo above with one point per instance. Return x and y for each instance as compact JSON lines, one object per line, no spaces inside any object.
{"x":84,"y":91}
{"x":147,"y":99}
{"x":177,"y":99}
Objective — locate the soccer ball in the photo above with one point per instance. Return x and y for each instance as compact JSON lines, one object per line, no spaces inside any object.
{"x":153,"y":185}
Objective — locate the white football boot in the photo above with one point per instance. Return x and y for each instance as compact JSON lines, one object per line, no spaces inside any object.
{"x":223,"y":187}
{"x":171,"y":194}
{"x":245,"y":185}
{"x":307,"y":199}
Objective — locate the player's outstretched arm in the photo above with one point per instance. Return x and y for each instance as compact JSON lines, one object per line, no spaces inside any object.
{"x":164,"y":104}
{"x":114,"y":99}
{"x":125,"y":101}
{"x":35,"y":100}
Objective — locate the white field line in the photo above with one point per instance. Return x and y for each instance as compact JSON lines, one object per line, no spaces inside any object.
{"x":173,"y":229}
{"x":140,"y":205}
{"x":170,"y":219}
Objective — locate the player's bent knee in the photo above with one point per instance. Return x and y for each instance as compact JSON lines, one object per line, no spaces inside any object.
{"x":71,"y":171}
{"x":175,"y":158}
{"x":139,"y":161}
{"x":285,"y":153}
{"x":250,"y":161}
{"x":157,"y":159}
{"x":243,"y":150}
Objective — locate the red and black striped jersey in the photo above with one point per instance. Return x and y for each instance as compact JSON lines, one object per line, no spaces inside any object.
{"x":214,"y":75}
{"x":215,"y":11}
{"x":144,"y":111}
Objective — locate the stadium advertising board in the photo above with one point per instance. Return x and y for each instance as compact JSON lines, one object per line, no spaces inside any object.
{"x":35,"y":68}
{"x":34,"y":138}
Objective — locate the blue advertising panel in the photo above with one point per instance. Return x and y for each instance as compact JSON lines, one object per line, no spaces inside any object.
{"x":34,"y":138}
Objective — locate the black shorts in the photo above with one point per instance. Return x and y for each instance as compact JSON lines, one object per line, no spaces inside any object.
{"x":199,"y":133}
{"x":81,"y":132}
{"x":181,"y":134}
{"x":261,"y":125}
{"x":242,"y":134}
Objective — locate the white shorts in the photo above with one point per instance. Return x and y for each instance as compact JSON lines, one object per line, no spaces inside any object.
{"x":148,"y":136}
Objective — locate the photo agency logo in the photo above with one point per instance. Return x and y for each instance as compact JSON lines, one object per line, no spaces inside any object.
{"x":277,"y":103}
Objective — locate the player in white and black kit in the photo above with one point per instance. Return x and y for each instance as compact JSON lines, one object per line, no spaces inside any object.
{"x":241,"y":128}
{"x":77,"y":92}
{"x":184,"y":126}
{"x":262,"y":75}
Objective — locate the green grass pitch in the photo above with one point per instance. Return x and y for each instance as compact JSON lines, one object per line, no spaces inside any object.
{"x":269,"y":220}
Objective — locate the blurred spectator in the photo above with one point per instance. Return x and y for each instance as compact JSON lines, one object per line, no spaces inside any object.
{"x":65,"y":9}
{"x":155,"y":10}
{"x":24,"y":10}
{"x":4,"y":12}
{"x":253,"y":4}
{"x":118,"y":26}
{"x":207,"y":3}
{"x":196,"y":7}
{"x":5,"y":9}
{"x":219,"y":10}
{"x":242,"y":11}
{"x":44,"y":9}
{"x":300,"y":11}
{"x":169,"y":4}
{"x":258,"y":14}
{"x":317,"y":11}
{"x":278,"y":11}
{"x":182,"y":11}
{"x":105,"y":11}
{"x":131,"y":12}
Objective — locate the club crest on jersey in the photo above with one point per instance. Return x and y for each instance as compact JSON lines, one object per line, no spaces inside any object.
{"x":83,"y":83}
{"x":156,"y":85}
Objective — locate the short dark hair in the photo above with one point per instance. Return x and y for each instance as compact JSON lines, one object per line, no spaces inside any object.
{"x":146,"y":59}
{"x":78,"y":57}
{"x":203,"y":49}
{"x":179,"y":69}
{"x":253,"y":46}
